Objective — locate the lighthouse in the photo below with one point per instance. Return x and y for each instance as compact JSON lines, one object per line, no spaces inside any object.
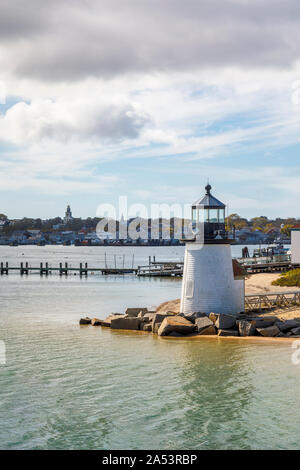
{"x":208,"y":278}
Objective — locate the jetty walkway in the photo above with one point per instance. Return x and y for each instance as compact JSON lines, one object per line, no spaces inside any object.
{"x":62,"y":269}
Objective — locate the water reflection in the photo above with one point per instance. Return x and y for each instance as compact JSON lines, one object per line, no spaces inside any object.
{"x":215,"y":379}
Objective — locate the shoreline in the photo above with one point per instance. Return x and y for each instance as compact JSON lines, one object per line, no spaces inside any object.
{"x":277,"y":324}
{"x":260,"y":339}
{"x":260,"y":283}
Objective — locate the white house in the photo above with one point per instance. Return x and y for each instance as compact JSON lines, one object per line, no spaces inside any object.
{"x":295,"y":239}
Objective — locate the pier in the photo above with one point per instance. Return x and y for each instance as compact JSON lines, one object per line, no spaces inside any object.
{"x":160,"y":269}
{"x":269,"y":267}
{"x":61,"y":269}
{"x":170,"y":268}
{"x":152,"y":269}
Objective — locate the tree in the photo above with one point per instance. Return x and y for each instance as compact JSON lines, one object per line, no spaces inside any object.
{"x":259,"y":223}
{"x":286,"y":229}
{"x":234,"y":220}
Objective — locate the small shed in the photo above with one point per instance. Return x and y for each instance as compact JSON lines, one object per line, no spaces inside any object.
{"x":295,"y":240}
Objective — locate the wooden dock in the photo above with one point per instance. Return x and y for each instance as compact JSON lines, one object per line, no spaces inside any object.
{"x":166,"y":268}
{"x":62,"y":269}
{"x":271,"y":267}
{"x":153,"y":269}
{"x":161,"y":269}
{"x":260,"y":302}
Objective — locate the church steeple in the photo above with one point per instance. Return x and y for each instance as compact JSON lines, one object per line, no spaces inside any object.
{"x":68,"y":216}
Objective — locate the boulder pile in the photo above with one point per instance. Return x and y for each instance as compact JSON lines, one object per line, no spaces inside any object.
{"x":197,"y":323}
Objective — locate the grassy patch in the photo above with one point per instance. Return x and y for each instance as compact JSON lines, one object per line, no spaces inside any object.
{"x":290,"y":279}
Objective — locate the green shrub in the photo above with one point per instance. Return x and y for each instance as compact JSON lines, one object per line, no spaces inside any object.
{"x":290,"y":279}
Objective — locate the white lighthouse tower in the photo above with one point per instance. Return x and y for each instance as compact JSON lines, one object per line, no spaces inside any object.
{"x":208,"y":278}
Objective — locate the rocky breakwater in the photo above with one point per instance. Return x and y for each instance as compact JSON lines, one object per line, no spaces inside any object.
{"x":197,"y":324}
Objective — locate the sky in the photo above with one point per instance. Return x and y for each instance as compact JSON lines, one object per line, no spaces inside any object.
{"x":149,"y":99}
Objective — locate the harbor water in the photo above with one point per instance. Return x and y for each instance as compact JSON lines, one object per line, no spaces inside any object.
{"x":69,"y":387}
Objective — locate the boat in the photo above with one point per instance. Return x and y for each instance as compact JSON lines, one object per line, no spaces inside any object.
{"x":271,"y":250}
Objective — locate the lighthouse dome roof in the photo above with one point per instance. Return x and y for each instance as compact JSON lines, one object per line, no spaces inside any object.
{"x":208,"y":201}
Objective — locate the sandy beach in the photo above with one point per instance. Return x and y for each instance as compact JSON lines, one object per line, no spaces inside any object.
{"x":255,"y":284}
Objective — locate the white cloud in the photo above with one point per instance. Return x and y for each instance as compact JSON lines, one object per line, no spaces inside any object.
{"x":64,"y":120}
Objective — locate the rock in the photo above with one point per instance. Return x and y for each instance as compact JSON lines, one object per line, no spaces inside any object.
{"x":176,"y":323}
{"x":158,"y":318}
{"x":96,"y":322}
{"x":246,"y":328}
{"x":296,"y":331}
{"x":213,"y":317}
{"x":148,"y":317}
{"x":133,"y":312}
{"x":264,"y":322}
{"x":173,"y":305}
{"x":242,"y":316}
{"x":175,"y":334}
{"x":279,"y":324}
{"x":225,"y":322}
{"x":202,"y":323}
{"x":146,"y":326}
{"x":269,"y":331}
{"x":85,"y":321}
{"x":189,"y":317}
{"x":282,"y":335}
{"x":209,"y":330}
{"x":155,"y":327}
{"x":193,"y":316}
{"x":129,"y":323}
{"x":288,"y":325}
{"x":142,"y":314}
{"x":111,"y":317}
{"x":228,"y":333}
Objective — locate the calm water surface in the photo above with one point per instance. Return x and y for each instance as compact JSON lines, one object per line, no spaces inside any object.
{"x":69,"y":387}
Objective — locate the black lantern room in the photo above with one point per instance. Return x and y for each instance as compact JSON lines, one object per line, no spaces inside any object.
{"x":210,"y":212}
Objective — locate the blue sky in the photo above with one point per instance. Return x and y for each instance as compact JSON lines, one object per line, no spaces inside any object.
{"x":111,"y":100}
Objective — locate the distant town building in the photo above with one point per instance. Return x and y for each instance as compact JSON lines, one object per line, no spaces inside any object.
{"x":3,"y":223}
{"x":68,"y":216}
